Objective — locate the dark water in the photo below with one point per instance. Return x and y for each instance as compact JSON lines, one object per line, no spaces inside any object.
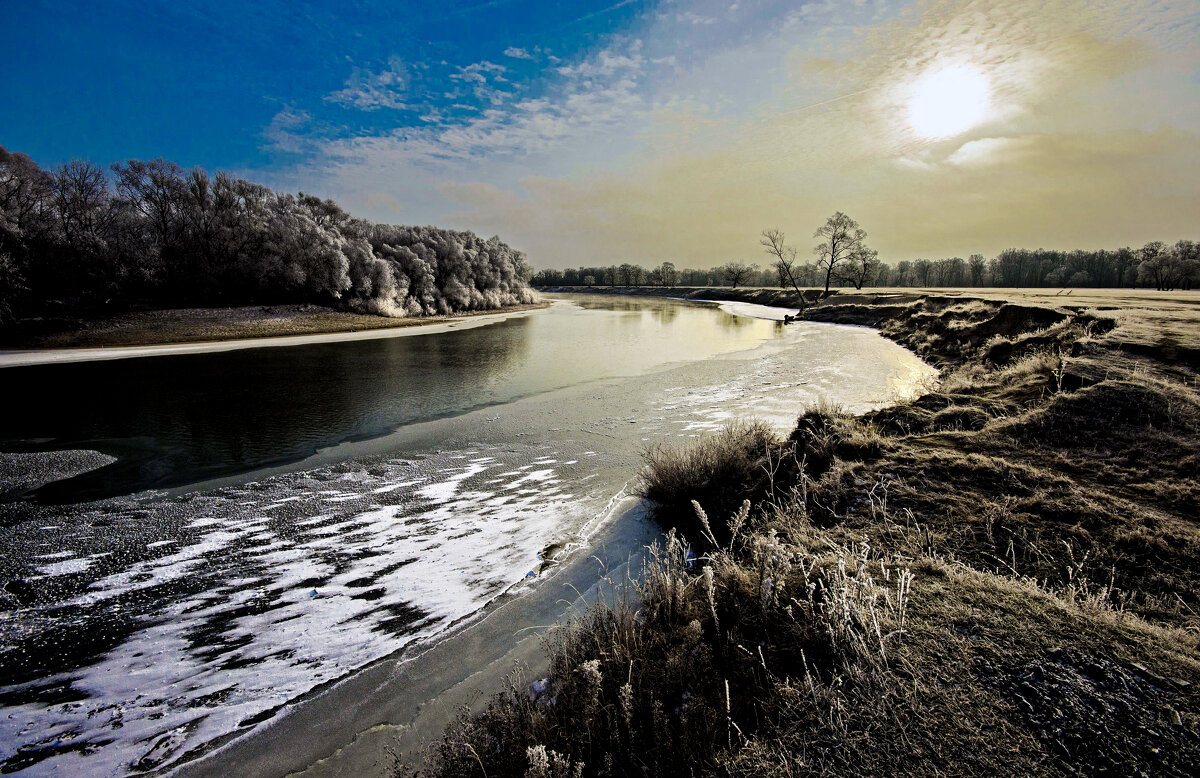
{"x":176,"y":420}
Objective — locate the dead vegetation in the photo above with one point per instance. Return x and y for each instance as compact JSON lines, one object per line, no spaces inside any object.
{"x":1000,"y":577}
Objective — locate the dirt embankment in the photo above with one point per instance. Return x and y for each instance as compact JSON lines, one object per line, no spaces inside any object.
{"x":196,"y":325}
{"x":1001,"y":577}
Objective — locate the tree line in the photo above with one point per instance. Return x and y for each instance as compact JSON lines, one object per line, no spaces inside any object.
{"x":842,"y":258}
{"x":78,"y":240}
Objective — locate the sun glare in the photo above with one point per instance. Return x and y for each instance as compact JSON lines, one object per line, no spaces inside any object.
{"x":948,"y":101}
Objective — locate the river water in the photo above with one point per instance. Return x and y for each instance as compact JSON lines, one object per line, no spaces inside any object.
{"x":245,"y":526}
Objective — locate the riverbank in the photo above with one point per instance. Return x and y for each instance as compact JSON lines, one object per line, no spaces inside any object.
{"x":327,"y":556}
{"x":235,"y":330}
{"x":196,"y":325}
{"x":999,"y":577}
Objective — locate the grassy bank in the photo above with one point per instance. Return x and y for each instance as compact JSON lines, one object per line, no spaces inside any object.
{"x":1002,"y":577}
{"x":196,"y":325}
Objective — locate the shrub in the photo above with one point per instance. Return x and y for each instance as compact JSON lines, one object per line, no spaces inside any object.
{"x":719,"y":472}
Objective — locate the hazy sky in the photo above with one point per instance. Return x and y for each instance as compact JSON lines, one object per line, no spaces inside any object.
{"x":602,"y":132}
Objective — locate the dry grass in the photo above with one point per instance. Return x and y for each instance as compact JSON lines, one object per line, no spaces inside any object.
{"x":718,"y":471}
{"x":1000,"y":577}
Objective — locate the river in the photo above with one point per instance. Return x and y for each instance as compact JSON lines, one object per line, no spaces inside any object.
{"x":220,"y":533}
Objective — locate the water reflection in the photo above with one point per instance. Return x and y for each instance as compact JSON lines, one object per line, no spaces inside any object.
{"x":171,"y":421}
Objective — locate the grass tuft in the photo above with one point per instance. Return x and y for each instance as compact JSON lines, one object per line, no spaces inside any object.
{"x":717,"y":472}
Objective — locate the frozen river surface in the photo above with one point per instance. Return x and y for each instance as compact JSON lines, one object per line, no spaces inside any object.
{"x":260,"y":522}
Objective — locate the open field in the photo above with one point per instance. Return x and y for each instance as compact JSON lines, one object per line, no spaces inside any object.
{"x":196,"y":325}
{"x":1000,"y":577}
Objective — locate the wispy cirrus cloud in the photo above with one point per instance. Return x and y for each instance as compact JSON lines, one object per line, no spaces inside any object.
{"x":370,"y":91}
{"x":602,"y":91}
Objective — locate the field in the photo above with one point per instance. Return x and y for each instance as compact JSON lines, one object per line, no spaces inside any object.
{"x":1000,"y":577}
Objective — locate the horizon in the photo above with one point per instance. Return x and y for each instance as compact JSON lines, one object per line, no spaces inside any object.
{"x":641,"y":132}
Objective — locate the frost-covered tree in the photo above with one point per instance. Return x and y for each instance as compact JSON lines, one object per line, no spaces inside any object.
{"x":74,"y":240}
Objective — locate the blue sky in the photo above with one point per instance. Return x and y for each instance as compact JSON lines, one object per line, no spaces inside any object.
{"x":200,"y":82}
{"x":595,"y":132}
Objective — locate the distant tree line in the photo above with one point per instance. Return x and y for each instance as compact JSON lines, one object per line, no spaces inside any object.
{"x":842,"y":258}
{"x":78,"y":240}
{"x":665,"y":275}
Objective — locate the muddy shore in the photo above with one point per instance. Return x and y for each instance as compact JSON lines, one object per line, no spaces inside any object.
{"x":195,"y":325}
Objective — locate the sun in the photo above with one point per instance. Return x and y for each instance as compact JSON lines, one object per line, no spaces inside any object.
{"x":948,"y":101}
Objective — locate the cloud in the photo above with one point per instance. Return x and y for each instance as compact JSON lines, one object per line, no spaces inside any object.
{"x":684,"y":141}
{"x":486,"y":81}
{"x":370,"y":91}
{"x":286,"y":131}
{"x":834,"y":136}
{"x":517,"y":53}
{"x":598,"y":93}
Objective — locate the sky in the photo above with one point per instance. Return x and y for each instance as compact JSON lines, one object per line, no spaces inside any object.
{"x":608,"y":131}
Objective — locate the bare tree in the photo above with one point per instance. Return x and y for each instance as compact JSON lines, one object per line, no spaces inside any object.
{"x":158,"y":191}
{"x":922,"y":270}
{"x":81,"y":202}
{"x":860,"y":267}
{"x":667,"y":275}
{"x":1163,"y":266}
{"x":734,"y":273}
{"x":631,"y":274}
{"x":785,"y":261}
{"x":978,"y":265}
{"x":841,"y":238}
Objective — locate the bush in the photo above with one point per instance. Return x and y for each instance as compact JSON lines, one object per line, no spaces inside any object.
{"x":719,"y":472}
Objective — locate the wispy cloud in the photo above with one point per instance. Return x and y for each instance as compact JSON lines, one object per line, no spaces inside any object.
{"x":371,"y":91}
{"x":684,"y":140}
{"x":600,"y":92}
{"x":287,"y":131}
{"x":517,"y":53}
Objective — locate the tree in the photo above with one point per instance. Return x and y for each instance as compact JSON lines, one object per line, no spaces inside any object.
{"x":82,"y":203}
{"x":1164,"y":266}
{"x":667,"y":275}
{"x":784,"y":259}
{"x":1126,"y":262}
{"x":631,"y":275}
{"x":861,"y":266}
{"x":841,"y":237}
{"x":735,"y":273}
{"x":977,"y":265}
{"x":589,"y":280}
{"x":1188,"y":252}
{"x":922,"y":270}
